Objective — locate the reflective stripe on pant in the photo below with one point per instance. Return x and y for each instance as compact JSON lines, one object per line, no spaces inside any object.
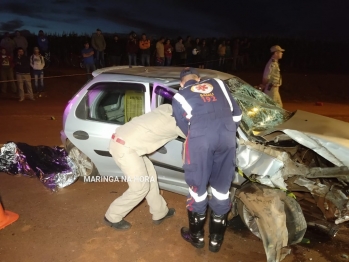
{"x":133,"y":167}
{"x":212,"y":161}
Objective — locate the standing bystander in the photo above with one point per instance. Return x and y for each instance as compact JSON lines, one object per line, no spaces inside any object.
{"x":180,"y":52}
{"x":221,"y":54}
{"x":98,"y":43}
{"x":160,"y":52}
{"x":196,"y":52}
{"x":132,"y":49}
{"x":188,"y":50}
{"x":204,"y":52}
{"x":116,"y":51}
{"x":144,"y":46}
{"x":21,"y":41}
{"x":37,"y":62}
{"x":43,"y":43}
{"x":213,"y":54}
{"x":168,"y":52}
{"x":22,"y":69}
{"x":8,"y":44}
{"x":271,"y":77}
{"x":6,"y":65}
{"x":87,"y":54}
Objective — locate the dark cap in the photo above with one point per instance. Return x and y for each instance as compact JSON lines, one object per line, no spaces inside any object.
{"x":188,"y":71}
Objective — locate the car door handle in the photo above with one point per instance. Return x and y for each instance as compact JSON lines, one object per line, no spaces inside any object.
{"x":81,"y":135}
{"x":162,"y":150}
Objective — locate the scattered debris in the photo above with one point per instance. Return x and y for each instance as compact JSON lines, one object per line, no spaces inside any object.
{"x":305,"y":241}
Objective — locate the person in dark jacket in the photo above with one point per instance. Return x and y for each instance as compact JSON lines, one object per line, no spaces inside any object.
{"x":43,"y":42}
{"x":209,"y":116}
{"x":132,"y":48}
{"x":204,"y":52}
{"x":87,"y":54}
{"x":22,"y":69}
{"x":98,"y":43}
{"x":116,"y":51}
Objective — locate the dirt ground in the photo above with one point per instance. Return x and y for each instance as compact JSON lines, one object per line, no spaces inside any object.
{"x":68,"y":225}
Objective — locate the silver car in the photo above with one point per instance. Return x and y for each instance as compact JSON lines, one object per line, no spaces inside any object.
{"x":292,"y":166}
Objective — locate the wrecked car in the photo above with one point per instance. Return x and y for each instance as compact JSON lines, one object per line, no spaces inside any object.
{"x":292,"y":166}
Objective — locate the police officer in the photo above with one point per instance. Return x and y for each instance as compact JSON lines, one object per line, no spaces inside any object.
{"x":129,"y":146}
{"x":209,"y":116}
{"x":271,"y":76}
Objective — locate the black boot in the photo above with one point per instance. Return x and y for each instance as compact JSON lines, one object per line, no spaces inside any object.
{"x":195,"y":233}
{"x":218,"y":223}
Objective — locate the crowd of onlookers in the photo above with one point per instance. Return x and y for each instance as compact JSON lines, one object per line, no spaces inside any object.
{"x":100,"y":50}
{"x":17,"y":68}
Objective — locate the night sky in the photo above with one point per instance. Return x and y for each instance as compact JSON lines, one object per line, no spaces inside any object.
{"x":325,"y":19}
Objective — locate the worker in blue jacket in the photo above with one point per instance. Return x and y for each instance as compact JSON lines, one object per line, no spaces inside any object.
{"x":209,"y":116}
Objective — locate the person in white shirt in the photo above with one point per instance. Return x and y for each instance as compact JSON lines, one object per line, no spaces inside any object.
{"x":37,"y":62}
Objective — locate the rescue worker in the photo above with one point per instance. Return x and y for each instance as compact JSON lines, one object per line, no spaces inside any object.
{"x":271,"y":76}
{"x":209,"y":116}
{"x":129,"y":146}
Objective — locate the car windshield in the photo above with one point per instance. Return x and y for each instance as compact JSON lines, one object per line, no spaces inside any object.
{"x":259,"y":111}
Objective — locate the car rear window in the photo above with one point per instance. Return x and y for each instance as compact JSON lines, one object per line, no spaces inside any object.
{"x":113,"y":102}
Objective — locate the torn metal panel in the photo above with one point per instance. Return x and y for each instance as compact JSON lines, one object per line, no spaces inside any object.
{"x":271,"y":166}
{"x":315,"y":188}
{"x":334,"y":153}
{"x":266,"y":207}
{"x":251,"y":158}
{"x":316,"y":172}
{"x":329,"y":198}
{"x":326,"y":136}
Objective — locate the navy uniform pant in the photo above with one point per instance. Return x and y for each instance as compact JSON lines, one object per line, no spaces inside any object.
{"x":209,"y":158}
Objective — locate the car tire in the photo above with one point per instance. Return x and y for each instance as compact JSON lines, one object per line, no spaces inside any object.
{"x":84,"y":164}
{"x":295,"y":221}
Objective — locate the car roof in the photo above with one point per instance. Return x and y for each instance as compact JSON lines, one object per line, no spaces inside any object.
{"x":161,"y":74}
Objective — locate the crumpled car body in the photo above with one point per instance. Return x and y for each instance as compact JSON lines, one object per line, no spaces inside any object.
{"x":299,"y":151}
{"x":279,"y":154}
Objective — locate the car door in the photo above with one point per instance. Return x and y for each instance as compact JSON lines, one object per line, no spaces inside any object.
{"x":104,"y":107}
{"x":168,"y":159}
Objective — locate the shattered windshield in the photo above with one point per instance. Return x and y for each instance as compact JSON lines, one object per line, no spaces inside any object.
{"x":259,"y":111}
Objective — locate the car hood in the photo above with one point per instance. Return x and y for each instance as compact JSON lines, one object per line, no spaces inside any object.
{"x":326,"y":136}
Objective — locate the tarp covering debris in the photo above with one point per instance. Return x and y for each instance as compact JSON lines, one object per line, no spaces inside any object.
{"x":50,"y":164}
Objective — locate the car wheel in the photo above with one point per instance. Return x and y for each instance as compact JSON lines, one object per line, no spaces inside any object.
{"x":84,"y":164}
{"x":295,"y":221}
